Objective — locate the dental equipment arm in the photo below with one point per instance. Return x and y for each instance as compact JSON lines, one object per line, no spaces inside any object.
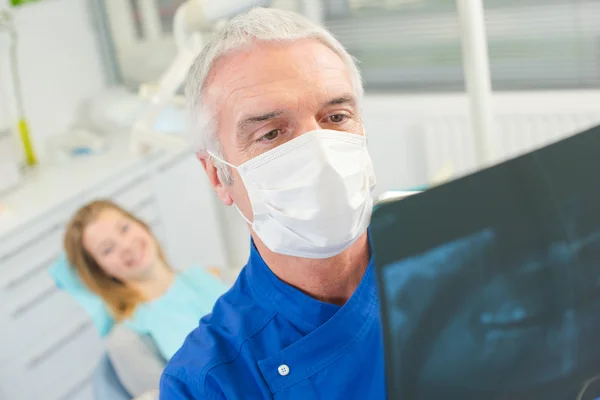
{"x":7,"y":24}
{"x":193,"y":22}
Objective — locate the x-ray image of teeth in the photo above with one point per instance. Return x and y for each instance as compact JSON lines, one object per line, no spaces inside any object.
{"x":490,"y":285}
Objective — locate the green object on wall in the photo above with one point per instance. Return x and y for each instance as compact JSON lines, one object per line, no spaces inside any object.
{"x":16,"y":3}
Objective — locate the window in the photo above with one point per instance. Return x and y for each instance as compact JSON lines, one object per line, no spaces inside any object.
{"x":414,"y":45}
{"x":141,"y":38}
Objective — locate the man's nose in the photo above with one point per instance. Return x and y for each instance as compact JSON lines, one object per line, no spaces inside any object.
{"x":308,"y":125}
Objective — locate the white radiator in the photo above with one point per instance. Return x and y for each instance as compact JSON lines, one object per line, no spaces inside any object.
{"x":449,"y":145}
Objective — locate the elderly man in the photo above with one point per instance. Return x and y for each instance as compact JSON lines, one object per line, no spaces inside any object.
{"x":276,"y":103}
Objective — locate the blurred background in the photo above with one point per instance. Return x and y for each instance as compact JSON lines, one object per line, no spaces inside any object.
{"x":76,"y":76}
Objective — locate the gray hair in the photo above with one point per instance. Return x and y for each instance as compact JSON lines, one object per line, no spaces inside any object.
{"x":257,"y":25}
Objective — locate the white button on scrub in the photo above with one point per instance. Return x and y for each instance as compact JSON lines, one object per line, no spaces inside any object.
{"x":283,"y":370}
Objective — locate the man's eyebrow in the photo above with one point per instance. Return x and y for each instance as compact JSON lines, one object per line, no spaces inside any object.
{"x":249,"y":121}
{"x":345,"y":99}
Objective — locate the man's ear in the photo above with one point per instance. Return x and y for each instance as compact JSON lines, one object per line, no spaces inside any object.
{"x":221,"y":189}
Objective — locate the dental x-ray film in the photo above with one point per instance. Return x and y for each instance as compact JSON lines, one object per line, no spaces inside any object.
{"x":490,"y":285}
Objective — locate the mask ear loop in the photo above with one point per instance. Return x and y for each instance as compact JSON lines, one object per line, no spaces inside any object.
{"x":242,"y":215}
{"x":234,"y":167}
{"x":221,"y":160}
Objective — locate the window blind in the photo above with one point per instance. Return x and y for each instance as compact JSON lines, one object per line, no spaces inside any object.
{"x":414,"y":45}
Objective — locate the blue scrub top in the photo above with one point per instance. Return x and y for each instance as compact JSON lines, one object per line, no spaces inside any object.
{"x":267,"y":340}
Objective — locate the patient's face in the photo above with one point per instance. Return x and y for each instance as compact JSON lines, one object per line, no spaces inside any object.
{"x":122,"y":247}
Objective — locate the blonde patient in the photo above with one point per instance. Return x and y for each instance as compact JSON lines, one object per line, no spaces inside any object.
{"x":118,"y":259}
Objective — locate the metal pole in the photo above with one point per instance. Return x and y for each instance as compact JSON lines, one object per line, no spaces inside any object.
{"x":121,"y":21}
{"x":150,"y":13}
{"x":313,"y":10}
{"x":477,"y":77}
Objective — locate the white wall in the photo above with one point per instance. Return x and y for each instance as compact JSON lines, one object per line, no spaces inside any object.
{"x":59,"y":62}
{"x":394,"y":124}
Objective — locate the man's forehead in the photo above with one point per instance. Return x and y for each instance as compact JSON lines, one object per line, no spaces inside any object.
{"x":303,"y":71}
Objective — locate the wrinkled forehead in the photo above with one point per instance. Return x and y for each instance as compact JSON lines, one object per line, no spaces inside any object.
{"x":296,"y":75}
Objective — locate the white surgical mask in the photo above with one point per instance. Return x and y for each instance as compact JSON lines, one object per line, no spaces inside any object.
{"x":311,"y":196}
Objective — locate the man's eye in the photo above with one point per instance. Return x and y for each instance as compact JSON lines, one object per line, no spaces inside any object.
{"x":125,"y":228}
{"x":338,"y":118}
{"x":107,"y":251}
{"x":271,"y":135}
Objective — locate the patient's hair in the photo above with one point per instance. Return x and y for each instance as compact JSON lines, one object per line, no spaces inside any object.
{"x":120,"y":299}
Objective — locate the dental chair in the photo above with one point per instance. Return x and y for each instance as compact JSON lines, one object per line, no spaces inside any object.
{"x":132,"y":364}
{"x":107,"y":385}
{"x":131,"y":367}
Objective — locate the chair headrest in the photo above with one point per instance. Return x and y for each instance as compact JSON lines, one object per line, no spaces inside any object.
{"x":67,"y":279}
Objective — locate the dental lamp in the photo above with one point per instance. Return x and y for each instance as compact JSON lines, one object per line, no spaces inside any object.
{"x":193,"y":23}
